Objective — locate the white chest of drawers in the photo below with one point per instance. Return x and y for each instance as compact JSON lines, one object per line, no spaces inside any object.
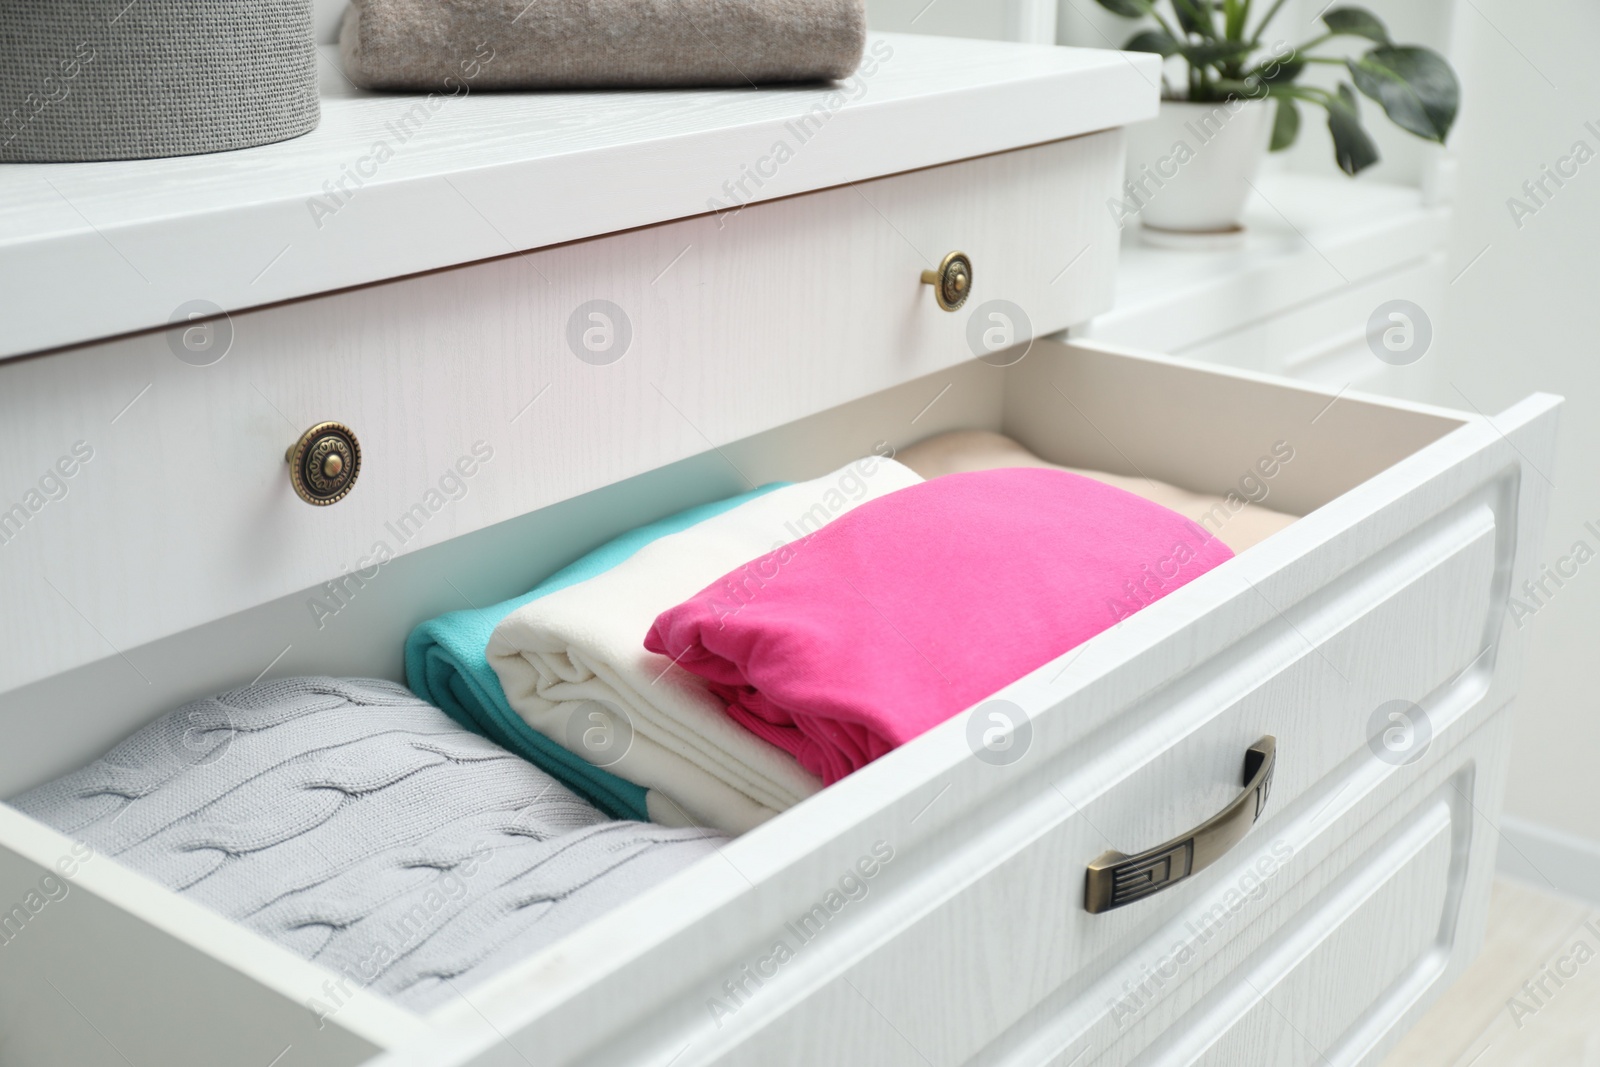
{"x":773,"y":342}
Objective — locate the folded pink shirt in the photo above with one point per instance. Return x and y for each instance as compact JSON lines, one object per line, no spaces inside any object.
{"x":848,"y":643}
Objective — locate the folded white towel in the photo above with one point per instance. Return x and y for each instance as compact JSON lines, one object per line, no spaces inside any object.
{"x":574,"y":666}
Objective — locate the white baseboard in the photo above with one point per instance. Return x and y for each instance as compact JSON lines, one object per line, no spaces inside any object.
{"x":1549,"y":858}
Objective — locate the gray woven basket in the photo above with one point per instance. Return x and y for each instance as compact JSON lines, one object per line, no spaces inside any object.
{"x":109,"y":79}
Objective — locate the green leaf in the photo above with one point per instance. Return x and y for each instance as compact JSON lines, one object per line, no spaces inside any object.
{"x":1357,"y":22}
{"x":1286,"y":127}
{"x":1128,"y":9}
{"x":1415,"y":85}
{"x":1352,"y":146}
{"x":1275,"y":73}
{"x":1208,"y":53}
{"x":1158,"y":41}
{"x":1194,"y":16}
{"x":1233,"y":16}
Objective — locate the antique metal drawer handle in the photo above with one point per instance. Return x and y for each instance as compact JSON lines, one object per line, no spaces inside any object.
{"x":952,"y":281}
{"x":1115,"y":879}
{"x":324,"y":463}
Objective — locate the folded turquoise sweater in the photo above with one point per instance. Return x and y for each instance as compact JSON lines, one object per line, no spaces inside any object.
{"x":446,"y":666}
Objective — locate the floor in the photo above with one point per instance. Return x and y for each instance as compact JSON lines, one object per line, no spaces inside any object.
{"x":1531,"y":999}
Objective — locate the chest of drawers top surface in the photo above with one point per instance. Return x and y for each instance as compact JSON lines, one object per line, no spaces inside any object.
{"x":390,"y":185}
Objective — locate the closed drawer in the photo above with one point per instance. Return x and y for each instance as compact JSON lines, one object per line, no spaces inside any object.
{"x":1325,"y":341}
{"x":1359,"y":944}
{"x":1336,"y":958}
{"x":969,"y":940}
{"x":1408,"y":849}
{"x":476,"y":396}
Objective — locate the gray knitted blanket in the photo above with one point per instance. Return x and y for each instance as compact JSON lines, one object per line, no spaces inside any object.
{"x":460,"y":46}
{"x":361,"y":828}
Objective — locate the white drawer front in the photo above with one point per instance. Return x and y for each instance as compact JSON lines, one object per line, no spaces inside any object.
{"x":1001,"y":916}
{"x":1375,"y":936}
{"x":969,"y":940}
{"x":471,"y":405}
{"x":1340,"y":955}
{"x":1410,"y":849}
{"x":100,"y":968}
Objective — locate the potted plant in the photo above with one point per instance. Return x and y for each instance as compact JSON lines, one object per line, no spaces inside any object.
{"x":1190,"y":170}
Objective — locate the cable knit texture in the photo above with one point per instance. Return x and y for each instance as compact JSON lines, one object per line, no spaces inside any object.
{"x":361,"y":828}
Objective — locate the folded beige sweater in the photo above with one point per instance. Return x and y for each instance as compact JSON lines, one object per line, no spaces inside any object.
{"x":452,"y":46}
{"x":1236,"y":521}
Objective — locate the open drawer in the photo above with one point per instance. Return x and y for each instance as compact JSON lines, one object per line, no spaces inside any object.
{"x":969,"y":941}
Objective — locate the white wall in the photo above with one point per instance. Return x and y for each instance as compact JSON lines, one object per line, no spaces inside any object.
{"x":945,"y":18}
{"x":1524,"y":318}
{"x":326,"y":15}
{"x":994,"y":20}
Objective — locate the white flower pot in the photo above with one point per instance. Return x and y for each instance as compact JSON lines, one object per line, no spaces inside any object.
{"x":1190,"y":169}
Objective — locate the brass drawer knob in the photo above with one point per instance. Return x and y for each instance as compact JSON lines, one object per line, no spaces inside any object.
{"x":952,"y":281}
{"x":324,"y":463}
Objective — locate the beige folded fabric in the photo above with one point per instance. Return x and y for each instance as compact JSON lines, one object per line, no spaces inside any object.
{"x":1237,"y":522}
{"x":580,"y":651}
{"x":455,"y":45}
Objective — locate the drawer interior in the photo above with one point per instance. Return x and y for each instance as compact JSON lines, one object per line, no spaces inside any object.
{"x":1087,"y":406}
{"x":1078,"y":405}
